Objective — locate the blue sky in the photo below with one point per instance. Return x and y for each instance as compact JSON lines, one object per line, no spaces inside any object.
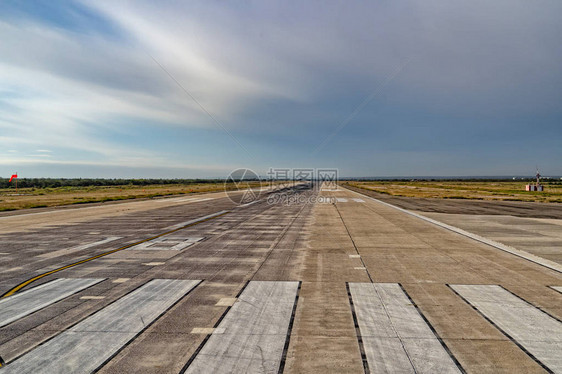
{"x":380,"y":88}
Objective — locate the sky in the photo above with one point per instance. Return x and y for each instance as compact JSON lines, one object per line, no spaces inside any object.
{"x":184,"y":89}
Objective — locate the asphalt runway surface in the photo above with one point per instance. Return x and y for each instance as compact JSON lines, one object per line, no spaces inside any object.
{"x":331,"y":281}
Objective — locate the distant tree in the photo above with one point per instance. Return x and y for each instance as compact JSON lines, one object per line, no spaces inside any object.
{"x":99,"y":182}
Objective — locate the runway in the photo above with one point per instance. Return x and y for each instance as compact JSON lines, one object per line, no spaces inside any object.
{"x":345,"y":284}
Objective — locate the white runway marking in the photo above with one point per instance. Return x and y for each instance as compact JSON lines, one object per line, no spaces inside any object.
{"x":226,"y":301}
{"x":175,"y":200}
{"x":341,"y":199}
{"x":170,"y":243}
{"x":248,"y":204}
{"x":89,"y":245}
{"x":357,"y":200}
{"x":395,"y":337}
{"x":557,"y":288}
{"x":120,"y":280}
{"x":325,"y":200}
{"x":22,"y":304}
{"x":65,"y":251}
{"x":251,"y":338}
{"x":537,"y":332}
{"x":182,"y":224}
{"x":202,"y":330}
{"x":84,"y":347}
{"x":184,"y":200}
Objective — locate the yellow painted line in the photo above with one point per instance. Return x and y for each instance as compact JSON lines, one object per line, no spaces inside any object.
{"x":29,"y":281}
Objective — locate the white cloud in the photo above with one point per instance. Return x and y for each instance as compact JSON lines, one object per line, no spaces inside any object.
{"x":58,"y":84}
{"x":61,"y":88}
{"x":132,"y":162}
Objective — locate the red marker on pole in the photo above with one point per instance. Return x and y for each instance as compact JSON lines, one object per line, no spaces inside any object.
{"x":16,"y":177}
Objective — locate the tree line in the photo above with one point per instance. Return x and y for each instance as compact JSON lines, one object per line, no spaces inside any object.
{"x":89,"y":182}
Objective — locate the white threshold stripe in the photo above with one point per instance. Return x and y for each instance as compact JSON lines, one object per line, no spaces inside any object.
{"x":87,"y":345}
{"x":557,"y":288}
{"x":251,"y":337}
{"x":396,"y":339}
{"x":534,"y":330}
{"x":182,"y":224}
{"x":22,"y":304}
{"x":514,"y":251}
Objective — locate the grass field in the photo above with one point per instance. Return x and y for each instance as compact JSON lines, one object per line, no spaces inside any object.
{"x":479,"y":190}
{"x":47,"y":197}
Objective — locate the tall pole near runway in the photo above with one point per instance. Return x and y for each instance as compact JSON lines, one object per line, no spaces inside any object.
{"x":538,"y":177}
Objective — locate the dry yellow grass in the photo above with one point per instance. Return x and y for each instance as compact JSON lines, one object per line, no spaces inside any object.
{"x":47,"y":197}
{"x":504,"y":190}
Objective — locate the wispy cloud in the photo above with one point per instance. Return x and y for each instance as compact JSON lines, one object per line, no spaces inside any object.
{"x":281,"y":76}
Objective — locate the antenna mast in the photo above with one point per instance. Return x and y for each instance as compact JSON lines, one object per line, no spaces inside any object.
{"x":538,"y":177}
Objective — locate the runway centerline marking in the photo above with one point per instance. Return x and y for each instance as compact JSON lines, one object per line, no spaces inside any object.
{"x":539,"y":334}
{"x":184,"y":225}
{"x":23,"y":304}
{"x":251,"y":337}
{"x":88,"y":345}
{"x":394,"y":336}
